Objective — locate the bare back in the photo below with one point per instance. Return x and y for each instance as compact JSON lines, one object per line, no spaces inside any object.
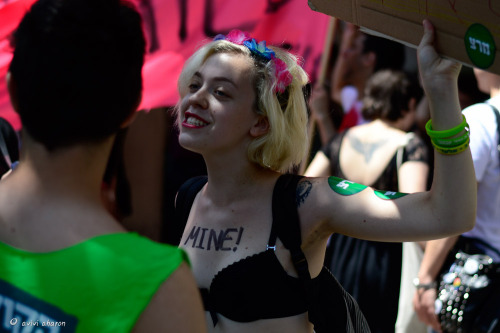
{"x":367,"y":150}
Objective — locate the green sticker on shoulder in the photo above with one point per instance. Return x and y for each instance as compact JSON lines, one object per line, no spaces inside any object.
{"x":389,"y":195}
{"x":480,"y":46}
{"x":344,"y":187}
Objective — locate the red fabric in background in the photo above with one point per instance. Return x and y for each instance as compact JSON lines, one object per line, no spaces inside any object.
{"x":175,"y":28}
{"x":11,"y":12}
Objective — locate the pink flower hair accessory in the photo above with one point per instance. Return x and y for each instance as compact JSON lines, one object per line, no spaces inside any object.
{"x":235,"y":36}
{"x":282,"y":75}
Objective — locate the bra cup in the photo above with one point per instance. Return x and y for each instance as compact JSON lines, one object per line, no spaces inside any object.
{"x":256,"y":287}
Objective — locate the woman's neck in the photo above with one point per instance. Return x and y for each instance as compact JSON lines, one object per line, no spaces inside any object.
{"x":383,"y":124}
{"x":238,"y":179}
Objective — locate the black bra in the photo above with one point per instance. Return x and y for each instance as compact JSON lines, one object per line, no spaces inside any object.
{"x":254,"y":288}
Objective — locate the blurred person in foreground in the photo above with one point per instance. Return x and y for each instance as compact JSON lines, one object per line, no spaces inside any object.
{"x":75,"y":80}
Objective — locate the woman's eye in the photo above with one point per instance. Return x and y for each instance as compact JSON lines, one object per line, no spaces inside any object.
{"x":193,"y":86}
{"x":220,"y":93}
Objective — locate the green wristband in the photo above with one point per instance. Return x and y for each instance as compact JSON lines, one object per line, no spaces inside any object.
{"x":452,"y":150}
{"x":446,"y":133}
{"x":451,"y":142}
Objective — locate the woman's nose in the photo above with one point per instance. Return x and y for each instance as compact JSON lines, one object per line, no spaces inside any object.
{"x":199,"y":98}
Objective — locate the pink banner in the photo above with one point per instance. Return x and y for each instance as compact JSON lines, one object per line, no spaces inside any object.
{"x":174,"y":29}
{"x":11,"y":12}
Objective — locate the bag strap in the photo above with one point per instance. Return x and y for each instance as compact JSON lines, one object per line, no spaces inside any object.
{"x":497,"y":116}
{"x":319,"y":296}
{"x":3,"y":150}
{"x":183,"y":202}
{"x":286,"y":223}
{"x":468,"y":243}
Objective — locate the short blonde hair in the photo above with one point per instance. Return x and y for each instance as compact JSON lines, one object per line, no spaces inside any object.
{"x":283,"y":147}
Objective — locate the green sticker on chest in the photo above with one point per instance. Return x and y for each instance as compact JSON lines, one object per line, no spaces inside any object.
{"x":480,"y":46}
{"x":344,"y":187}
{"x":389,"y":194}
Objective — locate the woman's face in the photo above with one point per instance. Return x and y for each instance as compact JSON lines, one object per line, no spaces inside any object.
{"x":217,"y":111}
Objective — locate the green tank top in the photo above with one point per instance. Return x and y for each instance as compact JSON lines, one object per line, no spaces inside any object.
{"x":99,"y":285}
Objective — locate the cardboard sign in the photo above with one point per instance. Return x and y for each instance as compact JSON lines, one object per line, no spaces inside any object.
{"x":467,"y":30}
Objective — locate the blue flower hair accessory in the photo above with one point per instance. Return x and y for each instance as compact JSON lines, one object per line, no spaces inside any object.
{"x":281,"y":74}
{"x":260,"y":49}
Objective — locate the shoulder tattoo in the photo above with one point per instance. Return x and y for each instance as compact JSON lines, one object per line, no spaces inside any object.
{"x":303,"y":189}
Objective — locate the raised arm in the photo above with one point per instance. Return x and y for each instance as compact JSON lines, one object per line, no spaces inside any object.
{"x":320,"y":112}
{"x":454,"y":189}
{"x":343,"y":62}
{"x":447,"y":209}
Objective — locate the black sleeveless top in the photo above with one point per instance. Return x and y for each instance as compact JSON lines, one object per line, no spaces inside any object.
{"x":258,"y":287}
{"x":371,"y":271}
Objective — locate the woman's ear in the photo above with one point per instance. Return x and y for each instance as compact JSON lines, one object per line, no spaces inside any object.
{"x":260,"y":128}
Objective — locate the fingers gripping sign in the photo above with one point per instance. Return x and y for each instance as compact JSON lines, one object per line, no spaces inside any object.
{"x":433,"y":68}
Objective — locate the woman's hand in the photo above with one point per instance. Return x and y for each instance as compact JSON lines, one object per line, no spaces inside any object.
{"x":439,"y":79}
{"x":431,"y":65}
{"x":423,"y":303}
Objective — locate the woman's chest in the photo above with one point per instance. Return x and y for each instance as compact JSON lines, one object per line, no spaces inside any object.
{"x":215,"y":240}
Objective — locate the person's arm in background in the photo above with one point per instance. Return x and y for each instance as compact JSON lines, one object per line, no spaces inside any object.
{"x":319,"y":166}
{"x":343,"y":62}
{"x":412,"y":176}
{"x":435,"y":255}
{"x":321,"y":113}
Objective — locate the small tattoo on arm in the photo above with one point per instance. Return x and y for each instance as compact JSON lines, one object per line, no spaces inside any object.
{"x":303,"y":190}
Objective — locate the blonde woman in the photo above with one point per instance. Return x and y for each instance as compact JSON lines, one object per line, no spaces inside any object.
{"x":242,"y":108}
